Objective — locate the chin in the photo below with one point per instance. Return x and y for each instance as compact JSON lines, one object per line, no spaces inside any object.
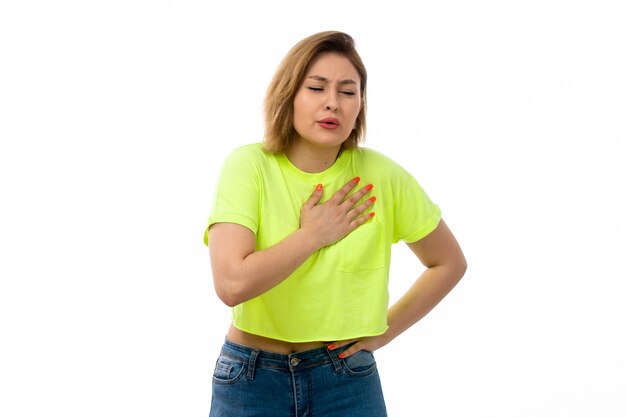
{"x":330,"y":142}
{"x":330,"y":145}
{"x":325,"y":141}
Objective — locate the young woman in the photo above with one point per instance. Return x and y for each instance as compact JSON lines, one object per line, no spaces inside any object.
{"x":300,"y":236}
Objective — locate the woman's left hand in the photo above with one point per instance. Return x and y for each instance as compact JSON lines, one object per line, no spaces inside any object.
{"x":369,"y":344}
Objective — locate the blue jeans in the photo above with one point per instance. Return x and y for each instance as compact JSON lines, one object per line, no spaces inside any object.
{"x":314,"y":383}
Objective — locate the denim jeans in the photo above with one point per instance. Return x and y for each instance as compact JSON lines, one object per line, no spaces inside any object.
{"x":315,"y":383}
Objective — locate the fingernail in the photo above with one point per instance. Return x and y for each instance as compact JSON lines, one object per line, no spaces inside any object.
{"x":356,"y":179}
{"x":371,"y":214}
{"x":341,"y":355}
{"x":369,"y":187}
{"x":372,"y":199}
{"x":319,"y":187}
{"x":330,"y":347}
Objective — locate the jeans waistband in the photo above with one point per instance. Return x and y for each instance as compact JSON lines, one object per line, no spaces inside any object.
{"x":292,"y":362}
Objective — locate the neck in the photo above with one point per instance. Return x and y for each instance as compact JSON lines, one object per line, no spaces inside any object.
{"x":310,"y":158}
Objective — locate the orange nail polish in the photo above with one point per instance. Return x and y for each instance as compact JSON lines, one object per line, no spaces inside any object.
{"x":356,"y":179}
{"x":330,"y":347}
{"x":319,"y":187}
{"x":369,"y":187}
{"x":371,"y":214}
{"x":372,"y":199}
{"x":341,"y":355}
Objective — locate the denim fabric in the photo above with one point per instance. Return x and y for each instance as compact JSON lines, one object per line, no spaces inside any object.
{"x":316,"y":383}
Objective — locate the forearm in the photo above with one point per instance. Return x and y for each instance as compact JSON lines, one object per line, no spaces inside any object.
{"x":262,"y":270}
{"x":429,"y":289}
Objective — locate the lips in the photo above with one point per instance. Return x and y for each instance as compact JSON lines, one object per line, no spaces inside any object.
{"x":329,"y":123}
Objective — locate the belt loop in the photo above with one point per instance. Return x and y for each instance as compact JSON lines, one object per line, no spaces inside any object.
{"x":252,"y":363}
{"x":335,"y":360}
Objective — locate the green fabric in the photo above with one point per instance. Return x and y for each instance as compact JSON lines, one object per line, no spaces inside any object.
{"x":341,"y":291}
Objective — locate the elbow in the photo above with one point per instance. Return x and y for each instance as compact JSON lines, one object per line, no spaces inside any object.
{"x":455,"y":268}
{"x":460,"y":267}
{"x":232,"y":284}
{"x":228,"y":293}
{"x":228,"y":299}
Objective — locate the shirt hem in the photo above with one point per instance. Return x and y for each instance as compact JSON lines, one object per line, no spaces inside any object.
{"x":326,"y":338}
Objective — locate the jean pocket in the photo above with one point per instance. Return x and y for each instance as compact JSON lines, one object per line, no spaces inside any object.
{"x":361,"y":363}
{"x":228,"y":370}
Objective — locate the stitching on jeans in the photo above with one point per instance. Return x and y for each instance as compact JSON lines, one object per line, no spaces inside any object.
{"x":251,"y":364}
{"x":335,"y":361}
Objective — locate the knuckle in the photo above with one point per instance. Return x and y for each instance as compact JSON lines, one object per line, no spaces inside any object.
{"x":353,"y":199}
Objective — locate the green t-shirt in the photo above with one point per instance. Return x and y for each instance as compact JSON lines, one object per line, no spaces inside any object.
{"x":341,"y":291}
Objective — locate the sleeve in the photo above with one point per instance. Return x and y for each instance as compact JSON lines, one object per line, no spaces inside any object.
{"x":415,"y":215}
{"x":236,"y":197}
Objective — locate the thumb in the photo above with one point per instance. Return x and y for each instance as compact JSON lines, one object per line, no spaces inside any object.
{"x":315,"y":197}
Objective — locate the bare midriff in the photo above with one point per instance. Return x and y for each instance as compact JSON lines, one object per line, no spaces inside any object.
{"x":240,"y":337}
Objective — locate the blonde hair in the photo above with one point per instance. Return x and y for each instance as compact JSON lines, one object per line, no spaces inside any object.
{"x":278,"y":104}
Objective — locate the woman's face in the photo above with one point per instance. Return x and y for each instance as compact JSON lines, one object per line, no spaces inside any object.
{"x":328,"y":101}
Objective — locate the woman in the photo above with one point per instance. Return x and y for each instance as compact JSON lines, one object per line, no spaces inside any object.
{"x":300,"y":240}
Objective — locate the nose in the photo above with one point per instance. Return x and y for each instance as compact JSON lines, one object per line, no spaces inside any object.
{"x":332,"y":103}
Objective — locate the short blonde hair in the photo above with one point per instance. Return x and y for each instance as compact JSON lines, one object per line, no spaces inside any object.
{"x":278,"y":105}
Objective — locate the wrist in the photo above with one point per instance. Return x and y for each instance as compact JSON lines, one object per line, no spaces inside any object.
{"x":308,"y":240}
{"x":385,"y":338}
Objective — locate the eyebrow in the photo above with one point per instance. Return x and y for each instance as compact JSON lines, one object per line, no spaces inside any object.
{"x":324,"y":79}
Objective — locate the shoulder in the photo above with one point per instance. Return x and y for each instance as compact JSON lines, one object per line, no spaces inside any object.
{"x":249,"y":151}
{"x":376,"y":161}
{"x":249,"y":155}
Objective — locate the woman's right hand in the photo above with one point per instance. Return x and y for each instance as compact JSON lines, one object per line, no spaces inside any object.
{"x":329,"y":222}
{"x":240,"y":272}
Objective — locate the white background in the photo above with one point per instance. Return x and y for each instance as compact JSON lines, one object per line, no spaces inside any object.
{"x":114,"y":119}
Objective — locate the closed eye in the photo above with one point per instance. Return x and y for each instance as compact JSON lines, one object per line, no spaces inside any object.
{"x":317,"y":89}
